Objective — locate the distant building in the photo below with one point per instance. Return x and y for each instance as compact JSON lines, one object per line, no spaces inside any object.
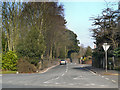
{"x":94,"y":46}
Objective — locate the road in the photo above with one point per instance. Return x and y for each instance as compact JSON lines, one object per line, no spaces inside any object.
{"x":62,"y":76}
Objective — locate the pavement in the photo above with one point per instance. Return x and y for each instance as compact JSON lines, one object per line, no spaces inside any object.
{"x":103,"y":71}
{"x":71,"y":75}
{"x":113,"y":74}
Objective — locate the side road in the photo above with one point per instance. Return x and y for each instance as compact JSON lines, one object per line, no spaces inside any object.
{"x":102,"y":71}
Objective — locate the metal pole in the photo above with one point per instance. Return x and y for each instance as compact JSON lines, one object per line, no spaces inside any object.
{"x":106,"y":60}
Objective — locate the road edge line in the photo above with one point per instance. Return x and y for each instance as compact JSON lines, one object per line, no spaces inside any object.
{"x":48,"y":69}
{"x":93,"y":72}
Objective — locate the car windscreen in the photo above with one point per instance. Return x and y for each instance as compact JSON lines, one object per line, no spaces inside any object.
{"x":62,"y":60}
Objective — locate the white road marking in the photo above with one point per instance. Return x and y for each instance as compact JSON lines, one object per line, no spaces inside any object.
{"x":63,"y":74}
{"x":57,"y":83}
{"x":46,"y":82}
{"x":107,"y":78}
{"x":113,"y":81}
{"x":66,"y":70}
{"x":57,"y":78}
{"x":75,"y":78}
{"x":51,"y":80}
{"x":102,"y":85}
{"x":102,"y":76}
{"x":48,"y":69}
{"x":92,"y":84}
{"x":78,"y":77}
{"x":92,"y":72}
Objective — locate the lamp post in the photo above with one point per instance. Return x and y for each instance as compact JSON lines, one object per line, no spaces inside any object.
{"x":105,"y":47}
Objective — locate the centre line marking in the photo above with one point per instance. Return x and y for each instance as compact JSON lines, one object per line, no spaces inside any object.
{"x":62,"y":74}
{"x":113,"y":81}
{"x":102,"y":76}
{"x":66,"y":71}
{"x":107,"y":78}
{"x":47,"y":82}
{"x":56,"y":83}
{"x":92,"y":84}
{"x":75,"y":78}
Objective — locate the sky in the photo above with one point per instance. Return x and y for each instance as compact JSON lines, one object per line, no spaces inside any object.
{"x":77,"y":15}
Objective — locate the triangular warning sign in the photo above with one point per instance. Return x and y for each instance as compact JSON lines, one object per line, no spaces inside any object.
{"x":105,"y":47}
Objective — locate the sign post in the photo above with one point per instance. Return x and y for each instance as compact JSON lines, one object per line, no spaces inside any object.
{"x":105,"y":47}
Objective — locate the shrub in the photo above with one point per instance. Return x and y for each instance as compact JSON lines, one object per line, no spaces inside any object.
{"x":0,"y":61}
{"x":9,"y":61}
{"x":25,"y":67}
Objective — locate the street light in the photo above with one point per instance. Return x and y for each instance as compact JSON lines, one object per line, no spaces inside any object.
{"x":105,"y":47}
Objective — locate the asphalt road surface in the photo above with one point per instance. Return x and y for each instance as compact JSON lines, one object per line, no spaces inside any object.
{"x":62,"y":76}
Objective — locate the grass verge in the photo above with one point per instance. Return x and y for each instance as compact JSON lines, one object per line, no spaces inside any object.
{"x":8,"y":72}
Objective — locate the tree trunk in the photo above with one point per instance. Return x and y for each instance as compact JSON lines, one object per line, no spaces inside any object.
{"x":51,"y":53}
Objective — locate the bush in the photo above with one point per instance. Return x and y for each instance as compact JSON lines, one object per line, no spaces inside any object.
{"x":9,"y":61}
{"x":25,"y":67}
{"x":0,"y":61}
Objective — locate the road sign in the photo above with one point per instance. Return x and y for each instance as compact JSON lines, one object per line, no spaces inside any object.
{"x":105,"y":46}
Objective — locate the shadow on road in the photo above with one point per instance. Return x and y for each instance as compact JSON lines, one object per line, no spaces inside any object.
{"x":84,"y":67}
{"x":80,"y":68}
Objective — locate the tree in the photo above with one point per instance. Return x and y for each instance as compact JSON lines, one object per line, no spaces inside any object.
{"x":36,"y":31}
{"x":117,"y":52}
{"x":88,"y":51}
{"x":11,"y":24}
{"x":106,"y":31}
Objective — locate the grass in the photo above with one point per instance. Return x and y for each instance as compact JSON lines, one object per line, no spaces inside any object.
{"x":8,"y":72}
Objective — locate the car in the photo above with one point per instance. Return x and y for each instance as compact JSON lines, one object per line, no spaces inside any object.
{"x":63,"y":62}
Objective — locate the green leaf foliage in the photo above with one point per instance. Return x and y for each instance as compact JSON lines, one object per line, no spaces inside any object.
{"x":88,"y":51}
{"x":117,"y":52}
{"x":9,"y":61}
